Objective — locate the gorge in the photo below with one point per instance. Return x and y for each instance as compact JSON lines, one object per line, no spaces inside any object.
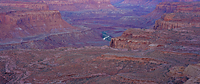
{"x":62,"y":41}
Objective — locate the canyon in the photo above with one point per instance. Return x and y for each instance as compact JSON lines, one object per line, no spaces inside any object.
{"x":63,"y":41}
{"x":178,"y":17}
{"x":176,"y":32}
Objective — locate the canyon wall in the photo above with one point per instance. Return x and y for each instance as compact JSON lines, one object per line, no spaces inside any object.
{"x":178,"y":15}
{"x":170,"y":7}
{"x":179,"y":39}
{"x":185,"y":16}
{"x":21,"y":20}
{"x":20,"y":24}
{"x":28,"y":5}
{"x":151,"y":2}
{"x":178,"y":20}
{"x":74,"y":5}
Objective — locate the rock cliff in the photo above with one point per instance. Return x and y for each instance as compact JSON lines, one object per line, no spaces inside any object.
{"x":180,"y":39}
{"x":20,"y":24}
{"x":178,"y":20}
{"x":21,"y":20}
{"x":151,"y":2}
{"x":180,"y":14}
{"x":170,"y":7}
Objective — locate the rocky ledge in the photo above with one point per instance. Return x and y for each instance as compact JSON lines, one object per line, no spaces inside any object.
{"x":180,"y":39}
{"x":19,"y":20}
{"x":178,"y":20}
{"x":173,"y":7}
{"x":150,"y":2}
{"x":20,"y":24}
{"x":179,"y":14}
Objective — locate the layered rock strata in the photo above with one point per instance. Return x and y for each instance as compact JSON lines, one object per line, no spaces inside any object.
{"x":172,"y":7}
{"x":151,"y":2}
{"x":180,"y":39}
{"x":178,"y":15}
{"x":28,"y":5}
{"x":21,"y":24}
{"x":178,"y":20}
{"x":74,"y":5}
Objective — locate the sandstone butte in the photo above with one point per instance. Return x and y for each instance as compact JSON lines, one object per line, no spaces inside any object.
{"x":17,"y":23}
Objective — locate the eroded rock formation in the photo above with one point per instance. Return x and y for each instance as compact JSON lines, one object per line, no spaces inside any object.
{"x":180,"y":39}
{"x":178,"y":15}
{"x":151,"y":2}
{"x":21,"y":24}
{"x":74,"y":5}
{"x":178,"y":20}
{"x":19,"y":21}
{"x":92,"y":65}
{"x":29,"y":5}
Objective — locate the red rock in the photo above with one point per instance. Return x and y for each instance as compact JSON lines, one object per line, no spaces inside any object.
{"x":134,"y":39}
{"x":178,"y":20}
{"x":170,"y":7}
{"x":89,"y":65}
{"x":29,"y":5}
{"x":151,"y":2}
{"x":75,"y":5}
{"x":72,"y":5}
{"x":21,"y":24}
{"x":185,"y":15}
